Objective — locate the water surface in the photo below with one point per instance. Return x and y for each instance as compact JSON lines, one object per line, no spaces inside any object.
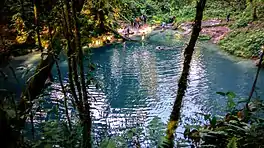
{"x":139,"y":82}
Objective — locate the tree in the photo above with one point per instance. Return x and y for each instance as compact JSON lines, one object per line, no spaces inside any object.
{"x":182,"y":84}
{"x":36,"y":18}
{"x":254,"y":9}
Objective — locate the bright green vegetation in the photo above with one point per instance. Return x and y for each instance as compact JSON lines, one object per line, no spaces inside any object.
{"x":244,"y":42}
{"x":186,"y":11}
{"x":238,"y":128}
{"x":247,"y":35}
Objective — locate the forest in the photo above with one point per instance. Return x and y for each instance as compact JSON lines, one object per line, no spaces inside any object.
{"x":131,"y":74}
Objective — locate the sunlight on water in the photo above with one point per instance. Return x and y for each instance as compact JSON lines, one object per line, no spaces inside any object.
{"x":140,"y":83}
{"x":143,"y":81}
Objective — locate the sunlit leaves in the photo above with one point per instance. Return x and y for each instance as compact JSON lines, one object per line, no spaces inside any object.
{"x":232,"y":143}
{"x":156,"y":131}
{"x":230,"y":99}
{"x":55,"y":134}
{"x":108,"y":143}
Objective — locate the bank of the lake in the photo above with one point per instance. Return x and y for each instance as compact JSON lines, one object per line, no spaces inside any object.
{"x":241,"y":41}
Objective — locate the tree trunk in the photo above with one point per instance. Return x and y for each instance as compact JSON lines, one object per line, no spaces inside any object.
{"x":254,"y":9}
{"x":87,"y":117}
{"x":83,"y":104}
{"x":36,"y":13}
{"x":79,"y":5}
{"x":70,"y":52}
{"x":182,"y":85}
{"x":255,"y":17}
{"x":256,"y":79}
{"x":22,"y":8}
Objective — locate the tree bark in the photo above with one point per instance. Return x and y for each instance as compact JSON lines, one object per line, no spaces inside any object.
{"x":182,"y":84}
{"x":36,"y":14}
{"x":79,"y":5}
{"x":22,"y":8}
{"x":255,"y":17}
{"x":68,"y":36}
{"x":87,"y":117}
{"x":254,"y":9}
{"x":256,"y":79}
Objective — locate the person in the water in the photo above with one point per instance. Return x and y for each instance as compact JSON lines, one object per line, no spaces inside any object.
{"x":143,"y":36}
{"x":163,"y":48}
{"x":163,"y":25}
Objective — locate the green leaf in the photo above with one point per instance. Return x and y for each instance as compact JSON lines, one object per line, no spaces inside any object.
{"x":97,"y":86}
{"x":11,"y":113}
{"x":237,"y":128}
{"x":231,"y":94}
{"x":207,"y":117}
{"x":108,"y":143}
{"x":130,"y":134}
{"x":213,"y":121}
{"x":221,"y":93}
{"x":230,"y":103}
{"x":232,"y":143}
{"x":186,"y":133}
{"x":48,"y":146}
{"x":92,"y":67}
{"x":242,"y":100}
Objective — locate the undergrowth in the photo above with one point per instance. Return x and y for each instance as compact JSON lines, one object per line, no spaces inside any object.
{"x":244,"y":42}
{"x":246,"y":36}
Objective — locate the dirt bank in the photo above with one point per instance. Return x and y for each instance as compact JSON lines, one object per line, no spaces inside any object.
{"x":216,"y":33}
{"x":215,"y":28}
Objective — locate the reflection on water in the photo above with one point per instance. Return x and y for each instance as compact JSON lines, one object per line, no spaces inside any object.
{"x":140,"y":83}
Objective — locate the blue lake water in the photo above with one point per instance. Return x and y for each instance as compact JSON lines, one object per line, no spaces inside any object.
{"x":139,"y":82}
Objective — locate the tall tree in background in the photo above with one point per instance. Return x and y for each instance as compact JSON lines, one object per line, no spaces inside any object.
{"x":36,"y":5}
{"x":182,"y":84}
{"x":254,"y":9}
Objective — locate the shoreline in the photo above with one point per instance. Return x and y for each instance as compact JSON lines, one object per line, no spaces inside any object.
{"x":216,"y":30}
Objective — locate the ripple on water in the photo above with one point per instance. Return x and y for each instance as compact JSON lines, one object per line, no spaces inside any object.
{"x":140,"y":83}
